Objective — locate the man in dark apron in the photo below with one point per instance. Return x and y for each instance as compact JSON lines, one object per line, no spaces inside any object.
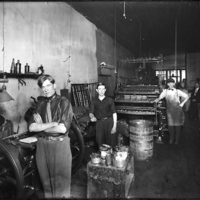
{"x":175,"y":114}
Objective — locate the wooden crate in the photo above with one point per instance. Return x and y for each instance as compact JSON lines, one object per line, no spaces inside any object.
{"x":109,"y":181}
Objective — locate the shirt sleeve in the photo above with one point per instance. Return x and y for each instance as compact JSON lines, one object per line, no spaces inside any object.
{"x":182,"y":94}
{"x":91,"y":110}
{"x":163,"y":94}
{"x":113,"y":108}
{"x":40,"y":109}
{"x":66,"y":114}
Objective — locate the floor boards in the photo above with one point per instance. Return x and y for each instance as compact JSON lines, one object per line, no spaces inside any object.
{"x":172,"y":173}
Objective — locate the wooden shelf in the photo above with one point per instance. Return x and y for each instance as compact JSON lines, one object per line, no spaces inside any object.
{"x":3,"y":80}
{"x":12,"y":75}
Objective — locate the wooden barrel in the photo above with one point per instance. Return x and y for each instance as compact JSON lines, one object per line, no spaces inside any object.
{"x":141,"y":139}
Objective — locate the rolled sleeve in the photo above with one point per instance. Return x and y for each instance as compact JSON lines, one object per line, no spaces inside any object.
{"x":182,"y":94}
{"x":163,"y":94}
{"x":91,"y":110}
{"x":40,"y":109}
{"x":113,"y":108}
{"x":66,"y":114}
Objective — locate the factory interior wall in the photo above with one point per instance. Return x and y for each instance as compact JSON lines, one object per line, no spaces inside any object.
{"x":192,"y":69}
{"x":111,"y":53}
{"x":64,"y":42}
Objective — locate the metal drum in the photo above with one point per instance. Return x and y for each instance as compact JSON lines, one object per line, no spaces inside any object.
{"x":141,"y":139}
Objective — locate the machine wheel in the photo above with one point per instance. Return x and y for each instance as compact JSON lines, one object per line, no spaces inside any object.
{"x":11,"y":175}
{"x":12,"y":179}
{"x":77,"y":146}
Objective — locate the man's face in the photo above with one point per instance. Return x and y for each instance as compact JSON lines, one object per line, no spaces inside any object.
{"x":48,"y":88}
{"x":196,"y":85}
{"x":101,"y":90}
{"x":171,"y":84}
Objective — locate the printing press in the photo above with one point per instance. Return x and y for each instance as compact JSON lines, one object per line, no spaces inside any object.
{"x":137,"y":102}
{"x":19,"y":177}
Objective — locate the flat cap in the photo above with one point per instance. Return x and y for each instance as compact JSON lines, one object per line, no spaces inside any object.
{"x":170,"y":80}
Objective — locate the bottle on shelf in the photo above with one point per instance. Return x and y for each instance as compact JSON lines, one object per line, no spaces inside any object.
{"x":26,"y":68}
{"x":12,"y":66}
{"x":18,"y":67}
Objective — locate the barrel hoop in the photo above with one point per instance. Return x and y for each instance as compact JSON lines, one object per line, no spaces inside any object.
{"x":141,"y":130}
{"x":143,"y":138}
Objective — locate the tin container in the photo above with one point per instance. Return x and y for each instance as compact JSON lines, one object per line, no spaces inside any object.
{"x":104,"y":149}
{"x":119,"y":162}
{"x":95,"y":158}
{"x":121,"y":151}
{"x":108,"y":159}
{"x":103,"y":161}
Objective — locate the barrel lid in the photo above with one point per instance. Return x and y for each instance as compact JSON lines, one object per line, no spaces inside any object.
{"x":103,"y":148}
{"x":141,"y":122}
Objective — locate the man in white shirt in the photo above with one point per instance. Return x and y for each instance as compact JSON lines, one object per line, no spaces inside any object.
{"x":175,"y":114}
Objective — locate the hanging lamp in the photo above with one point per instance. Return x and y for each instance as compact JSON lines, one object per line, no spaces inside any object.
{"x":4,"y":96}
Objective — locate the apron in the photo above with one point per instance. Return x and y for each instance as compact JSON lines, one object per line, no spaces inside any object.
{"x":175,"y":114}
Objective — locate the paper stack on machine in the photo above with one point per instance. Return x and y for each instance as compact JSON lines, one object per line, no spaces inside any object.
{"x":29,"y":140}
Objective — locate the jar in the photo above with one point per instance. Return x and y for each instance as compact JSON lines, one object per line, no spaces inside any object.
{"x":104,"y":149}
{"x":95,"y":158}
{"x":108,"y":159}
{"x":103,"y":161}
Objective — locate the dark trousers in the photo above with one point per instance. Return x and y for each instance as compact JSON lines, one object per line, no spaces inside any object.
{"x":103,"y":132}
{"x":174,"y":133}
{"x":193,"y":110}
{"x":54,"y":164}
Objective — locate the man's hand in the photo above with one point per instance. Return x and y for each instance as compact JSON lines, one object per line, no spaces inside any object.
{"x":37,"y":118}
{"x":113,"y":130}
{"x":156,"y":100}
{"x":93,"y":119}
{"x":181,"y":105}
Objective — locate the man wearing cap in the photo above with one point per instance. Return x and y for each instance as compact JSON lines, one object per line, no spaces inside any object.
{"x":175,"y":114}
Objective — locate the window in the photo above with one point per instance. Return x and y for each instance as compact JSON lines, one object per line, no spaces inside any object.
{"x":161,"y":74}
{"x":178,"y":75}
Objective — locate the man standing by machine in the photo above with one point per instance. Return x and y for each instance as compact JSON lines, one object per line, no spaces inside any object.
{"x":195,"y":101}
{"x":175,"y":114}
{"x":103,"y":112}
{"x":52,"y":120}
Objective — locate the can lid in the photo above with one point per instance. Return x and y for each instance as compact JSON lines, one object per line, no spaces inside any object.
{"x":102,"y":148}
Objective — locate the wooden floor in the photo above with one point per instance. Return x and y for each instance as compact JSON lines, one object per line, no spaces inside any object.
{"x":173,"y":172}
{"x":79,"y":183}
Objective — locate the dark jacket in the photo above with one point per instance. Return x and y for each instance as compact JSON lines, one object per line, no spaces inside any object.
{"x":195,"y":97}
